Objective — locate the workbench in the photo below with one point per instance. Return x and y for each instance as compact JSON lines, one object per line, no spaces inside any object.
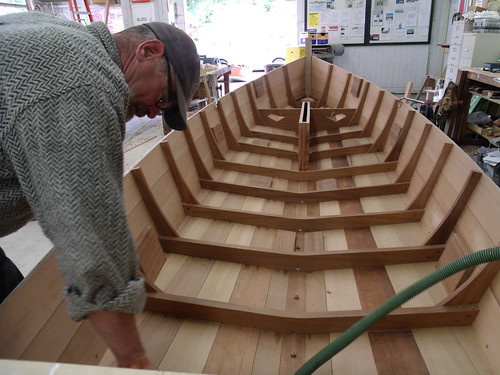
{"x":209,"y":80}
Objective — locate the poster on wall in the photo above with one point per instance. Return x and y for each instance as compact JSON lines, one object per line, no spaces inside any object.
{"x":342,"y":20}
{"x":400,"y":21}
{"x":368,"y":22}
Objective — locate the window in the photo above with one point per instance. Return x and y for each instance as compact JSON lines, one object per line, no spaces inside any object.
{"x":244,"y":32}
{"x":12,"y":6}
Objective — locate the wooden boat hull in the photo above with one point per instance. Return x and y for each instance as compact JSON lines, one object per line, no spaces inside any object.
{"x":286,"y":212}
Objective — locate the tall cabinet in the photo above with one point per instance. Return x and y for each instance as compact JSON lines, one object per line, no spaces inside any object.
{"x":468,"y":49}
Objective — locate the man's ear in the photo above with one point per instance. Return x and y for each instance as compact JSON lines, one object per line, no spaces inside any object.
{"x":149,"y":49}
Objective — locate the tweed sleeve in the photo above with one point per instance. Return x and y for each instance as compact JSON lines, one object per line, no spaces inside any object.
{"x":72,"y":175}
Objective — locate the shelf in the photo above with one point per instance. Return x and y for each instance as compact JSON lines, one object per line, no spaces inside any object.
{"x":483,"y":132}
{"x":497,"y":101}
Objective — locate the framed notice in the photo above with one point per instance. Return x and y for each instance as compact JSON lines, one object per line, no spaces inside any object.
{"x":400,"y":21}
{"x":370,"y":22}
{"x":344,"y":21}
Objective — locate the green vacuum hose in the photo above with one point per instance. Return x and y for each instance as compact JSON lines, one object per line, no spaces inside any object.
{"x":470,"y":260}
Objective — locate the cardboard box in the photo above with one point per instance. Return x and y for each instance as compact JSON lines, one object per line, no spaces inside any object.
{"x":294,"y":53}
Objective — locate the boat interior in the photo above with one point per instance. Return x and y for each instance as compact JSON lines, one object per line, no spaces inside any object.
{"x":287,"y":211}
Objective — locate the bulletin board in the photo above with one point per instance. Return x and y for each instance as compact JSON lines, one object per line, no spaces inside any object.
{"x":371,"y":22}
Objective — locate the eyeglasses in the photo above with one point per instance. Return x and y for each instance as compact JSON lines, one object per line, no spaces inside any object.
{"x":166,"y":104}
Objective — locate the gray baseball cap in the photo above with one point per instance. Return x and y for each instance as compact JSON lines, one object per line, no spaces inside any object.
{"x":181,"y":52}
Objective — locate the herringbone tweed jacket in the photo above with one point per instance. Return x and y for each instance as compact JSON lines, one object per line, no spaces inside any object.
{"x":63,"y":101}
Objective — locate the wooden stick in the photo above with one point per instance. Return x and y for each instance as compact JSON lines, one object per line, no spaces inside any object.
{"x":307,"y":323}
{"x":309,"y":224}
{"x":307,"y":260}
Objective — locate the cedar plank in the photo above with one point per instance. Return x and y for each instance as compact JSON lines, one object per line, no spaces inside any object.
{"x":406,"y":348}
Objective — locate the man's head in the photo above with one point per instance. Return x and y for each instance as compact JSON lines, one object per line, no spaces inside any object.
{"x":163,"y":73}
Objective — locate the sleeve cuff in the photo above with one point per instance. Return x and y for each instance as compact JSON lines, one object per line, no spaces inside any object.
{"x":130,"y":299}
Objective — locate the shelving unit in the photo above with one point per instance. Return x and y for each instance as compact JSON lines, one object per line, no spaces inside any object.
{"x":467,"y":78}
{"x":468,"y":49}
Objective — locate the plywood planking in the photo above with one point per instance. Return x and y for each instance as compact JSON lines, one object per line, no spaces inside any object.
{"x":483,"y":207}
{"x":190,"y":348}
{"x":403,"y":276}
{"x":488,"y":334}
{"x":314,"y":343}
{"x":296,"y":75}
{"x":474,"y":348}
{"x":19,"y":318}
{"x":268,"y":353}
{"x":208,"y":274}
{"x":201,"y":143}
{"x":240,"y":235}
{"x":442,"y":352}
{"x":357,"y":358}
{"x":157,"y":332}
{"x":315,"y":292}
{"x":185,"y":163}
{"x":334,"y":240}
{"x":220,"y":281}
{"x":276,"y":299}
{"x":229,"y":113}
{"x":194,"y":227}
{"x":139,"y":219}
{"x":338,"y":83}
{"x":58,"y":330}
{"x":355,"y":92}
{"x":233,"y":351}
{"x":173,"y":263}
{"x":234,"y":348}
{"x":244,"y":103}
{"x":86,"y":347}
{"x":318,"y":74}
{"x":131,"y":193}
{"x":397,"y":352}
{"x":410,"y":234}
{"x":341,"y":291}
{"x":190,"y":278}
{"x":277,"y":86}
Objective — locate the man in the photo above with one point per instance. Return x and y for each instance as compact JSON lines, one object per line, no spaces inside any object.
{"x":66,"y":91}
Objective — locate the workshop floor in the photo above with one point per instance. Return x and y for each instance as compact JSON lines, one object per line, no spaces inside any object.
{"x":28,"y":246}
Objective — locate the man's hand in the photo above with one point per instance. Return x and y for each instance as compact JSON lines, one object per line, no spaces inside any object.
{"x":120,"y":333}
